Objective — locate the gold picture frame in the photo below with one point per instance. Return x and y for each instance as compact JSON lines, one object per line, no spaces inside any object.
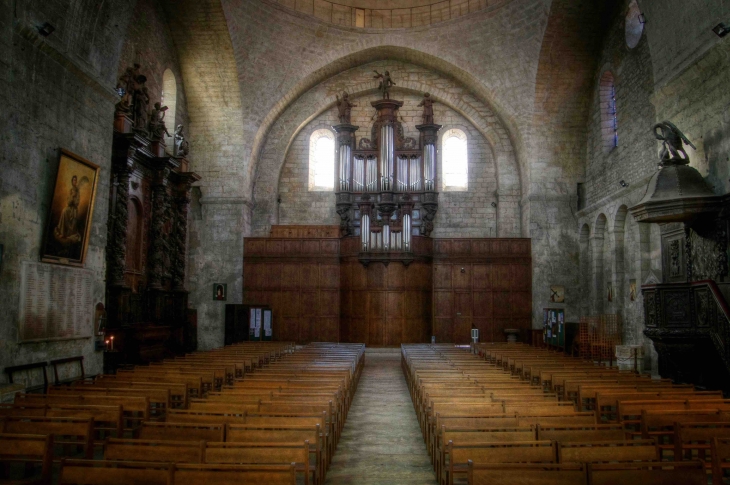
{"x":71,"y":211}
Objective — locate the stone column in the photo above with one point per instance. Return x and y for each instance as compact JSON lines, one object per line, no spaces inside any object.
{"x":598,"y":289}
{"x":118,"y":221}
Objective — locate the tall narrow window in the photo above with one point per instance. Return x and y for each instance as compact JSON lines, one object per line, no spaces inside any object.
{"x":609,"y":112}
{"x":169,"y":99}
{"x":455,"y":161}
{"x":322,"y":160}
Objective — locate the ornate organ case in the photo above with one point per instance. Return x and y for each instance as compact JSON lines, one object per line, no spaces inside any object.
{"x":386,"y":185}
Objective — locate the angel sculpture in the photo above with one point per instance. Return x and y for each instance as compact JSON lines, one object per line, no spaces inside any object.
{"x":385,"y":83}
{"x":671,"y":138}
{"x":157,"y":126}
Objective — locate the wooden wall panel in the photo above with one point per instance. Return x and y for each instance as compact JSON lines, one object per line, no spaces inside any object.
{"x":316,"y":295}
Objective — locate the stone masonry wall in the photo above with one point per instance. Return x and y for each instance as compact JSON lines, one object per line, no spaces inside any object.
{"x":56,"y":92}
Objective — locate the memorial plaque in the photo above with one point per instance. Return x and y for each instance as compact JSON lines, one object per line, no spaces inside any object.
{"x":56,"y":302}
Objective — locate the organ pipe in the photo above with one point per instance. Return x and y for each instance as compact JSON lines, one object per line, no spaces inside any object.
{"x":429,"y":166}
{"x":387,"y":147}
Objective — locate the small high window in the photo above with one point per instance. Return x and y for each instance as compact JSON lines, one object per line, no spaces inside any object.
{"x":609,"y":112}
{"x":634,"y":25}
{"x":322,"y":160}
{"x":455,"y":166}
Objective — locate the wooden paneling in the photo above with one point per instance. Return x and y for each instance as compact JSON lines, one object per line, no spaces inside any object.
{"x":484,"y":283}
{"x":319,"y":294}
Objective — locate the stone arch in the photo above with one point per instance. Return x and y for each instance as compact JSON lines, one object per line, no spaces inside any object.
{"x":320,"y":99}
{"x":344,"y":61}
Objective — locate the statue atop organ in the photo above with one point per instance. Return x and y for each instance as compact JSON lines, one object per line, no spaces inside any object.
{"x":386,"y":184}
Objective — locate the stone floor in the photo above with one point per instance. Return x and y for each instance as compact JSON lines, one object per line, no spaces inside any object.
{"x":381,"y":442}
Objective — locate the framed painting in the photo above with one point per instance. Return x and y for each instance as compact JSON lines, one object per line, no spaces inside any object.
{"x":220,"y":291}
{"x":72,"y":206}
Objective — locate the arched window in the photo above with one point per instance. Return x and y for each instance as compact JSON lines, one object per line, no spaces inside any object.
{"x":455,"y":160}
{"x":634,"y":25}
{"x":609,"y":116}
{"x":169,"y":99}
{"x":322,"y":160}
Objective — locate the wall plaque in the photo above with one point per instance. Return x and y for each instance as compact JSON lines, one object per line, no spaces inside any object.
{"x":56,"y":302}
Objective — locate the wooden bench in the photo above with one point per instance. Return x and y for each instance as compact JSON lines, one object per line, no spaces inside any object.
{"x":476,"y":435}
{"x":182,"y":431}
{"x":526,"y":474}
{"x":265,"y":454}
{"x":235,"y":474}
{"x":580,"y":433}
{"x":515,"y":452}
{"x":658,"y":473}
{"x":692,"y":439}
{"x":30,"y":450}
{"x":607,"y":451}
{"x":81,"y":429}
{"x":720,"y":449}
{"x":103,"y":472}
{"x":154,"y":450}
{"x":276,"y":433}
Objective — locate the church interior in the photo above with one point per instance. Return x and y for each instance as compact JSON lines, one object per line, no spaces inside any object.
{"x":325,"y":242}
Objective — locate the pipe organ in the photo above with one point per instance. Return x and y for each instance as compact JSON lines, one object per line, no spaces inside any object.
{"x":386,"y":187}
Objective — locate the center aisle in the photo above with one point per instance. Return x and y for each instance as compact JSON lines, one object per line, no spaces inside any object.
{"x":381,"y":442}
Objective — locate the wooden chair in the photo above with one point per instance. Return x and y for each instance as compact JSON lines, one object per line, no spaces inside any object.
{"x":154,"y":450}
{"x":657,"y":473}
{"x":30,"y":450}
{"x":235,"y":474}
{"x":607,"y":451}
{"x":265,"y":454}
{"x":526,"y":474}
{"x":102,"y":472}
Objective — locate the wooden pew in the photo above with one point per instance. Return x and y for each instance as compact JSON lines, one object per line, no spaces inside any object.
{"x":235,"y":474}
{"x":692,"y":439}
{"x":581,"y":433}
{"x":516,"y":452}
{"x":154,"y":450}
{"x":607,"y":451}
{"x":102,"y":472}
{"x":264,"y":454}
{"x":249,"y":433}
{"x":29,"y":449}
{"x":82,"y":429}
{"x":720,"y":449}
{"x":476,"y":435}
{"x":526,"y":474}
{"x":658,"y":473}
{"x":182,"y":431}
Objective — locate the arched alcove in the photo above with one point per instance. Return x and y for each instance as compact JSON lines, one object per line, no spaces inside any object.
{"x":169,"y":99}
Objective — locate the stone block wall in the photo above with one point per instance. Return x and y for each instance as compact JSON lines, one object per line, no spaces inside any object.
{"x":57,"y":91}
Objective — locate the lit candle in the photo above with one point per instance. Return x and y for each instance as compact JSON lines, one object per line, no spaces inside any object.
{"x":107,"y":344}
{"x":112,"y":339}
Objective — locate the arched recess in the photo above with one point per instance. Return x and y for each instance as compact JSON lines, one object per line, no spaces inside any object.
{"x":476,"y":94}
{"x":212,"y":93}
{"x":319,"y":99}
{"x":169,"y":99}
{"x":598,"y":255}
